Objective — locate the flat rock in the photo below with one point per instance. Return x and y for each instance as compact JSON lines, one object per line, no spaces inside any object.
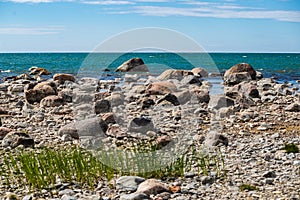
{"x":173,"y":74}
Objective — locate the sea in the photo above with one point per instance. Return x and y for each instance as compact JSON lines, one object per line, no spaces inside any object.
{"x":284,"y":67}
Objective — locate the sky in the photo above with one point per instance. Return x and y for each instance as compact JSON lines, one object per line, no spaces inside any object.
{"x":81,"y":25}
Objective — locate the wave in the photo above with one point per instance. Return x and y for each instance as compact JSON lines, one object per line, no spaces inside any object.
{"x":5,"y":71}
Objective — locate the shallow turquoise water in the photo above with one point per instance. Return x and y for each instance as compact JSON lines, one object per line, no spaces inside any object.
{"x":284,"y":66}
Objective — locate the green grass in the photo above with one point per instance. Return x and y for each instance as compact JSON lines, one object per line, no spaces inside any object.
{"x":291,"y":148}
{"x":248,"y":187}
{"x":41,"y":168}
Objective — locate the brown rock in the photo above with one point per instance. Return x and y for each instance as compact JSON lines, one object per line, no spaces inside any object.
{"x":52,"y":101}
{"x":38,"y":71}
{"x":162,"y":87}
{"x":200,"y":72}
{"x":133,"y":65}
{"x":241,"y":68}
{"x":40,"y":91}
{"x":61,"y":78}
{"x":109,"y":118}
{"x":152,"y":187}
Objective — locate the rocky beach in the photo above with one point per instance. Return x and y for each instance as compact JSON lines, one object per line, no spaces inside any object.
{"x":249,"y":125}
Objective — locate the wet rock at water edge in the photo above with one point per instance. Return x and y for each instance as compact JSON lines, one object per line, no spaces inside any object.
{"x":38,"y":71}
{"x":238,"y":73}
{"x":133,"y":65}
{"x":62,"y":78}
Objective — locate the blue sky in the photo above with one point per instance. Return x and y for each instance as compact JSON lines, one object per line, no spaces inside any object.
{"x":219,"y":26}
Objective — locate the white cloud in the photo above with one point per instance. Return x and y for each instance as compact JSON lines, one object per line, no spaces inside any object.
{"x":30,"y":30}
{"x":219,"y":12}
{"x":109,"y":2}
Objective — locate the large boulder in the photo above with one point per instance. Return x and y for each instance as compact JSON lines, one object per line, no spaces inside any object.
{"x":161,"y":87}
{"x":238,"y":73}
{"x":39,"y":91}
{"x":62,"y":78}
{"x":133,"y":65}
{"x":173,"y":74}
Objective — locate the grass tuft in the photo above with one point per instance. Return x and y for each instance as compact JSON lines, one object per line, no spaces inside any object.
{"x":42,"y":168}
{"x":291,"y":148}
{"x":248,"y":187}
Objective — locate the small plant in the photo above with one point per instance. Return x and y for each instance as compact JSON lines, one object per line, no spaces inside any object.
{"x":291,"y":148}
{"x":41,"y":168}
{"x":248,"y":187}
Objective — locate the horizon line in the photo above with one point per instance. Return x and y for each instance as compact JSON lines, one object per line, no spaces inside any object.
{"x":279,"y":52}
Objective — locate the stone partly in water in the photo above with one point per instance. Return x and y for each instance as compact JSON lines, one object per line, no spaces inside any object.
{"x":39,"y":91}
{"x":14,"y":139}
{"x":38,"y":71}
{"x":62,"y":78}
{"x":133,"y":65}
{"x":238,"y":73}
